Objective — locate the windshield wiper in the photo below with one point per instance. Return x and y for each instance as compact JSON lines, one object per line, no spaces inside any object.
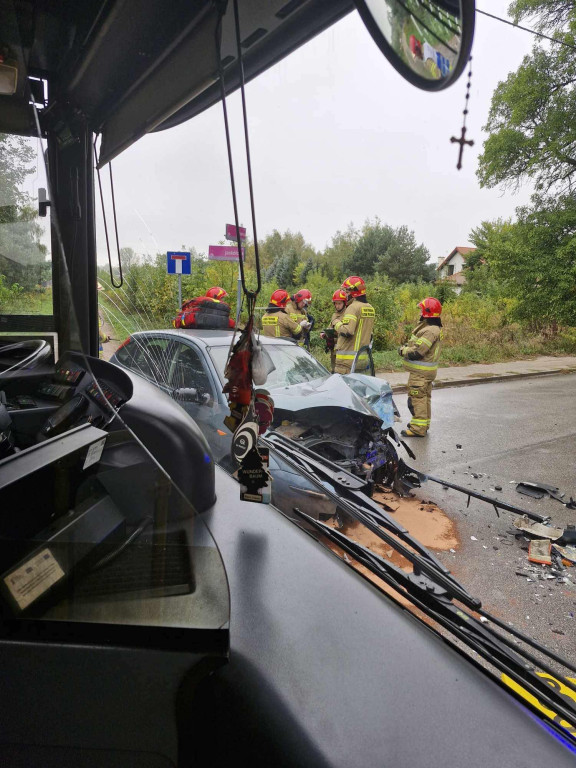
{"x":349,"y":496}
{"x":429,"y":596}
{"x":430,"y":587}
{"x":413,"y":478}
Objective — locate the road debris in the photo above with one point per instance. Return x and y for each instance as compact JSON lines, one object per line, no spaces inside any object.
{"x":540,"y":551}
{"x":569,"y":535}
{"x":539,"y":530}
{"x":568,"y":554}
{"x":539,"y":490}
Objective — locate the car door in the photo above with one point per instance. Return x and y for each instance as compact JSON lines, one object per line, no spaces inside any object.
{"x":189,"y":374}
{"x":147,"y":355}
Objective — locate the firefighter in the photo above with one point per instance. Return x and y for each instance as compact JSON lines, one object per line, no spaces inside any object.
{"x":297,"y":308}
{"x":355,"y":327}
{"x":103,"y":337}
{"x":216,"y":293}
{"x":276,"y":322}
{"x":329,"y":335}
{"x":421,"y":355}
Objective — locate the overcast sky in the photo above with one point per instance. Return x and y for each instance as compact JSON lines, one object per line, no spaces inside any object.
{"x":337,"y":136}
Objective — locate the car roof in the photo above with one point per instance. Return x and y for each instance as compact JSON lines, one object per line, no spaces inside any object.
{"x":209,"y":338}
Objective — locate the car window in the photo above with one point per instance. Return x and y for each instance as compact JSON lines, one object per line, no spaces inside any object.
{"x":149,"y":357}
{"x":293,"y":365}
{"x":187,"y":369}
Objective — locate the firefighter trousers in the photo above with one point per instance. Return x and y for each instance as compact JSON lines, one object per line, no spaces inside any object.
{"x":419,"y":403}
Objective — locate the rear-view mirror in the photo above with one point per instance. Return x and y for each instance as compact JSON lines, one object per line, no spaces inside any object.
{"x":427,"y":41}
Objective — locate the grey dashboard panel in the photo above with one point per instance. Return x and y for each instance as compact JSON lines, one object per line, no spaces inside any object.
{"x":325,"y":670}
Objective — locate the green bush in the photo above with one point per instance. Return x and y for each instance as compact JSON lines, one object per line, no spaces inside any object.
{"x":478,"y":327}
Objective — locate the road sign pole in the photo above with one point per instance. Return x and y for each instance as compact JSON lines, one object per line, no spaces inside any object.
{"x":178,"y":263}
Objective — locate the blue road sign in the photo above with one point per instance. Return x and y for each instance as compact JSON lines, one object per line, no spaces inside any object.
{"x":178,"y":262}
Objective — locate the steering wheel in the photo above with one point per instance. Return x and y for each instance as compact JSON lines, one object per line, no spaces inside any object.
{"x":23,"y":354}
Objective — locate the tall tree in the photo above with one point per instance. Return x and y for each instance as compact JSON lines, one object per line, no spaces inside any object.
{"x":284,"y":271}
{"x":128,"y":258}
{"x":338,"y":253}
{"x":22,"y":254}
{"x":277,"y":245}
{"x":535,"y":259}
{"x":405,"y":261}
{"x":481,"y":238}
{"x":381,"y":249}
{"x":532,"y":119}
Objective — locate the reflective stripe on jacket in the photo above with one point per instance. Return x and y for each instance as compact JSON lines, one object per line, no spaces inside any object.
{"x":279,"y":325}
{"x":294,"y":313}
{"x":336,"y":317}
{"x":354,"y":331}
{"x":427,"y":341}
{"x":297,"y":315}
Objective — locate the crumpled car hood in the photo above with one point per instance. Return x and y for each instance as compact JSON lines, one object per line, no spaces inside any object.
{"x":334,"y":391}
{"x":377,"y":393}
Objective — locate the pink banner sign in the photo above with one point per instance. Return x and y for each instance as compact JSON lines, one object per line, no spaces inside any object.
{"x":231,"y":233}
{"x":224,"y":253}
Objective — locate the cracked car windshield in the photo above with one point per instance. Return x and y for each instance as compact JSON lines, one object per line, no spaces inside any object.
{"x":291,"y":365}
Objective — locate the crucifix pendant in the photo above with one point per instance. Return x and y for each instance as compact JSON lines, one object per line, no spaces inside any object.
{"x":462,"y":141}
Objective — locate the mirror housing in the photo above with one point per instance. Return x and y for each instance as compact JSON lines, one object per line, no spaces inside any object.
{"x":428,"y":43}
{"x":191,"y":395}
{"x":187,"y":395}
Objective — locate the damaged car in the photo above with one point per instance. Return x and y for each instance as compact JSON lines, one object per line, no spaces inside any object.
{"x":345,"y":419}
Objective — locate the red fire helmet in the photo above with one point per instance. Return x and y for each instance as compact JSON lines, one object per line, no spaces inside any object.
{"x":302,"y":295}
{"x":430,"y":307}
{"x":279,"y":298}
{"x":340,"y":295}
{"x":216,"y":292}
{"x":354,"y":286}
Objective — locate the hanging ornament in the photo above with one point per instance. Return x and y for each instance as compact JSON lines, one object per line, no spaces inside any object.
{"x":246,"y":435}
{"x":250,"y":413}
{"x":463,"y":140}
{"x":239,"y":368}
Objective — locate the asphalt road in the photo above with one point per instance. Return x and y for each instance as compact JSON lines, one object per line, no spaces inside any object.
{"x":509,"y":432}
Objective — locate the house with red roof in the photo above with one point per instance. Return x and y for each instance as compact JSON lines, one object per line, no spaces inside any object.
{"x":451,"y":267}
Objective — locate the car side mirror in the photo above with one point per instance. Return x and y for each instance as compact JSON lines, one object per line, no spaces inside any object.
{"x":187,"y":394}
{"x":191,"y":395}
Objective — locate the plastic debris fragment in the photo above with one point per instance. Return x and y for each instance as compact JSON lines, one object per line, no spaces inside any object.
{"x":539,"y":551}
{"x":538,"y":530}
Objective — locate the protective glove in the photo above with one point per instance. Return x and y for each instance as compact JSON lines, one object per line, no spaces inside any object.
{"x":401,"y":351}
{"x":305,"y":325}
{"x":322,"y":335}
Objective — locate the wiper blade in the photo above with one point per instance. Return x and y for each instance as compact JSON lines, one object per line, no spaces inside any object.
{"x":496,"y":503}
{"x":348,"y":496}
{"x":427,"y":595}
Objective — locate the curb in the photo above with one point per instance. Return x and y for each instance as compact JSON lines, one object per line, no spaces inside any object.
{"x":402,"y":388}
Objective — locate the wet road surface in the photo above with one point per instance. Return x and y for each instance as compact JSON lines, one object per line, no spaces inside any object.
{"x":508,"y":431}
